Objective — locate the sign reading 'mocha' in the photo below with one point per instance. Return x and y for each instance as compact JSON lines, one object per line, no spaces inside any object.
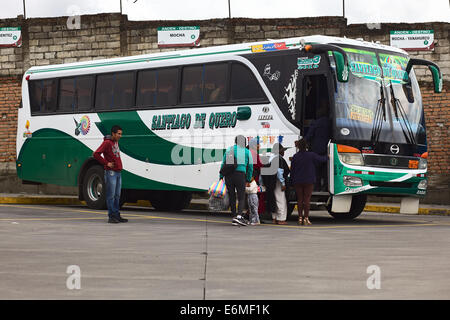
{"x":178,"y":37}
{"x":10,"y":37}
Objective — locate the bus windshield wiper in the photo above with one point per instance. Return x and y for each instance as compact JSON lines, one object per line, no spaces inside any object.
{"x":380,"y":116}
{"x":404,"y":124}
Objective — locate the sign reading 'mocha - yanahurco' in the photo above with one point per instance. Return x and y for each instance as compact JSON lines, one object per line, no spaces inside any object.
{"x":413,"y":39}
{"x":10,"y":37}
{"x":178,"y":36}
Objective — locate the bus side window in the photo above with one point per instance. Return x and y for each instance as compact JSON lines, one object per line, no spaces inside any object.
{"x":84,"y":92}
{"x":103,"y":95}
{"x":215,"y":82}
{"x":244,"y":85}
{"x":146,"y":88}
{"x":167,"y":87}
{"x":43,"y":95}
{"x":66,"y":95}
{"x":192,"y":87}
{"x":123,"y":92}
{"x":35,"y":92}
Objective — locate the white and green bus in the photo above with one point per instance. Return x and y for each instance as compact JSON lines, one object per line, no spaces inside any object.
{"x":180,"y":110}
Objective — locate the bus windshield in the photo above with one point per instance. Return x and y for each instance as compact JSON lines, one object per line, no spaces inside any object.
{"x":358,"y":99}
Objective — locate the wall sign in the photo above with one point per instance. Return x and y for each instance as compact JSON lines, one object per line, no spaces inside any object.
{"x":10,"y":37}
{"x":413,"y":40}
{"x":178,"y":37}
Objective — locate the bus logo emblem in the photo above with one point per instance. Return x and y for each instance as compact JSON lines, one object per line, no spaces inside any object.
{"x":308,"y":63}
{"x":395,"y":149}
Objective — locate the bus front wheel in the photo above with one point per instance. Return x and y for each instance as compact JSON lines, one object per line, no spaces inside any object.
{"x":358,"y":204}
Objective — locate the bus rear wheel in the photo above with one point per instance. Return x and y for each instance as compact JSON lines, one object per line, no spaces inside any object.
{"x":357,"y":207}
{"x":94,"y":189}
{"x":170,"y":200}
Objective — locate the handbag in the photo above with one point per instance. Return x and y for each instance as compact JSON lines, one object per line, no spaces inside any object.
{"x":218,"y":189}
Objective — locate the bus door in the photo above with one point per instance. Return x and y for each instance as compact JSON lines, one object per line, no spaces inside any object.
{"x":315,"y":92}
{"x":314,"y":110}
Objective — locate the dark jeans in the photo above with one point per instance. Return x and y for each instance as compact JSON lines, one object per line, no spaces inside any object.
{"x":236,"y":181}
{"x":113,"y":180}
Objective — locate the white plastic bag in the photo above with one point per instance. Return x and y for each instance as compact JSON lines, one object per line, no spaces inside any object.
{"x":219,"y":204}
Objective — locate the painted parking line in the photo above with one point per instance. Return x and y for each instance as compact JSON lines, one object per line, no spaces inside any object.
{"x":409,"y":223}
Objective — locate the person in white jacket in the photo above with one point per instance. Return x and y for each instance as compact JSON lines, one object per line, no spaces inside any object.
{"x":252,"y":192}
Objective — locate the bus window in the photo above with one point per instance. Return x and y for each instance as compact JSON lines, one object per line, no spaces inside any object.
{"x":244,"y":85}
{"x":123,"y":94}
{"x":115,"y":91}
{"x":66,"y":95}
{"x":35,"y":91}
{"x":84,"y":91}
{"x":146,"y":88}
{"x":43,"y":96}
{"x":75,"y":94}
{"x":215,"y":82}
{"x":103,"y":95}
{"x":192,"y":87}
{"x":167,"y":87}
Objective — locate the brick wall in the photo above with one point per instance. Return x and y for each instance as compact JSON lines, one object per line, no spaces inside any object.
{"x":9,"y":102}
{"x":437,"y":112}
{"x":49,"y":41}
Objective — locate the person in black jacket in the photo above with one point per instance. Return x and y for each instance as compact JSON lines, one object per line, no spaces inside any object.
{"x":303,"y":177}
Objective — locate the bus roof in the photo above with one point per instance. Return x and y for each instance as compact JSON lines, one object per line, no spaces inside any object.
{"x":232,"y":49}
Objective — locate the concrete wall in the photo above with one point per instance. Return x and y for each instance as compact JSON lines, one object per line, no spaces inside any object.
{"x":49,"y":41}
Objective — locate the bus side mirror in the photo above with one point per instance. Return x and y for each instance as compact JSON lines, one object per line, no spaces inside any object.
{"x":437,"y":78}
{"x":339,"y":56}
{"x":435,"y":71}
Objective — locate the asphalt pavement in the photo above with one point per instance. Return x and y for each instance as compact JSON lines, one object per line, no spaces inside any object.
{"x":48,"y":250}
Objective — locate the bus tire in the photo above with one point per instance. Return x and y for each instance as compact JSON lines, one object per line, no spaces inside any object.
{"x":94,"y":191}
{"x":358,"y":204}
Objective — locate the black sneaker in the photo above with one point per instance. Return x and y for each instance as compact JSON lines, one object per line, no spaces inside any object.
{"x":239,"y":220}
{"x":113,"y":220}
{"x":122,"y":219}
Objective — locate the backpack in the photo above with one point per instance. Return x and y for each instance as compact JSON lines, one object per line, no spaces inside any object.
{"x":230,"y":164}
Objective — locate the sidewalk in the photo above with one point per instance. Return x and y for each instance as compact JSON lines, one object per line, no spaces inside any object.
{"x":201,"y":204}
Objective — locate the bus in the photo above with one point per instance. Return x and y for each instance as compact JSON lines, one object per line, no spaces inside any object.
{"x":180,"y":110}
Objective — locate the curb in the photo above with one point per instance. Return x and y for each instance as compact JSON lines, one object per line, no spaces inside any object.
{"x":193,"y":205}
{"x":393,"y":209}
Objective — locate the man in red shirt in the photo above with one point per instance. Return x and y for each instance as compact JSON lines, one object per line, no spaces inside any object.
{"x":113,"y":166}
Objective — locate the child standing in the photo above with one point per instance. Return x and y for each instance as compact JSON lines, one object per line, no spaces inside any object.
{"x":252,"y":192}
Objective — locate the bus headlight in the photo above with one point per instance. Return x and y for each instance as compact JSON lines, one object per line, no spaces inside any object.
{"x":350,"y":181}
{"x":423,"y":184}
{"x":350,"y":155}
{"x":422,"y":163}
{"x":351,"y":158}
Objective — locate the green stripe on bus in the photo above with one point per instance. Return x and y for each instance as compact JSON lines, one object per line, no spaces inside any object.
{"x":54,"y":157}
{"x":140,"y":143}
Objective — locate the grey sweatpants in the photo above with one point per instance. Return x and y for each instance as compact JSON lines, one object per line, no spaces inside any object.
{"x":253,"y":207}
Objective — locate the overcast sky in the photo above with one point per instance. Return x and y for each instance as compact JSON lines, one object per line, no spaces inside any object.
{"x":356,"y":11}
